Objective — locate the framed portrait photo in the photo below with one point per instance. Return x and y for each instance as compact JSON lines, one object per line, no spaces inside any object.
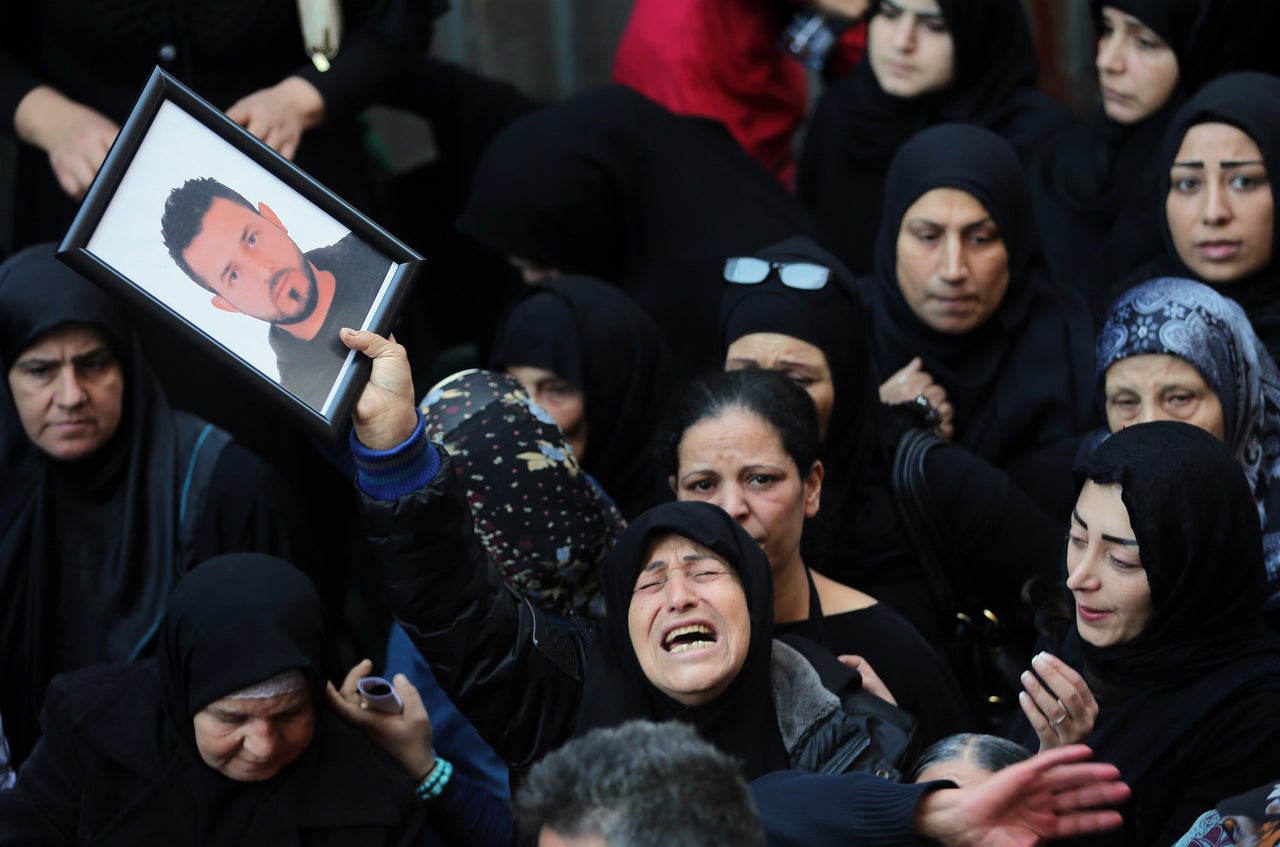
{"x":213,"y":231}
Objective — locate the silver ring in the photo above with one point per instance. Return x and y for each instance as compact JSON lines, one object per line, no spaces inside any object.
{"x":1061,"y":720}
{"x":932,"y":417}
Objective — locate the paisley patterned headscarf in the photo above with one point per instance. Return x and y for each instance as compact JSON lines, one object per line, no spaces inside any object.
{"x":1190,"y":320}
{"x":1183,"y":318}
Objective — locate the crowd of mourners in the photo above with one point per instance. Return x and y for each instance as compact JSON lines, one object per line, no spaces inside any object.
{"x":899,"y":469}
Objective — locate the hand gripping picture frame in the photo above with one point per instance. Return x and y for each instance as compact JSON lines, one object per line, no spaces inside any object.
{"x":209,"y":229}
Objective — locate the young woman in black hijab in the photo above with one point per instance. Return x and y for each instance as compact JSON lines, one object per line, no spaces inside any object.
{"x":959,"y":283}
{"x":589,"y":355}
{"x":1094,"y":186}
{"x":93,"y":537}
{"x":1220,"y":156}
{"x":612,"y":185}
{"x":221,"y":739}
{"x":1162,"y":614}
{"x":927,"y":62}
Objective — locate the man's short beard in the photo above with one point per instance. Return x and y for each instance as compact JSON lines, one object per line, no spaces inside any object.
{"x":309,"y":306}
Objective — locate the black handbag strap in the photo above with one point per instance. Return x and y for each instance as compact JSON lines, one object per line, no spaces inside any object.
{"x":919,"y":517}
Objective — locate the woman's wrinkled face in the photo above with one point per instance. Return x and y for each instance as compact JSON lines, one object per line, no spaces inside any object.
{"x":68,"y":389}
{"x":253,"y":740}
{"x":953,"y":266}
{"x":563,"y":401}
{"x":688,"y":621}
{"x":737,"y":461}
{"x":1220,"y":207}
{"x":1161,"y":387}
{"x":802,"y":362}
{"x":1104,"y":569}
{"x":1137,"y":71}
{"x":910,"y":49}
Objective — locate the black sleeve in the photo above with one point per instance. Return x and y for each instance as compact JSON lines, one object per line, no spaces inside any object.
{"x":513,"y":674}
{"x":815,"y":810}
{"x":44,"y":806}
{"x":17,"y":36}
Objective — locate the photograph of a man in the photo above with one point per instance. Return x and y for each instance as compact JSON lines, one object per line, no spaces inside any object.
{"x":244,"y":256}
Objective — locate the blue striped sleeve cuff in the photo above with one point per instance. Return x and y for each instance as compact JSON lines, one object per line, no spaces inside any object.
{"x":388,"y":474}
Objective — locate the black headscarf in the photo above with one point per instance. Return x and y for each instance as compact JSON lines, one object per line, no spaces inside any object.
{"x":741,"y":721}
{"x":1249,"y":101}
{"x":857,"y":127}
{"x":856,"y":504}
{"x":87,"y":548}
{"x":599,"y":340}
{"x":1200,"y":543}
{"x":1024,"y":379}
{"x":234,"y":622}
{"x":612,"y":185}
{"x":1098,"y":184}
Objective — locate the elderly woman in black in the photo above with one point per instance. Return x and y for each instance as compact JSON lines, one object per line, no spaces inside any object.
{"x":959,"y":299}
{"x":110,"y":496}
{"x":221,"y":739}
{"x":1162,"y":615}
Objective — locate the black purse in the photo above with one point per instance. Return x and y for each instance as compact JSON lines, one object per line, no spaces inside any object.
{"x":987,"y":662}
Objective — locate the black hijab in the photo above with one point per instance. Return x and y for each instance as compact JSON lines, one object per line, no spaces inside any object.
{"x":234,"y":622}
{"x":599,"y":340}
{"x":1098,"y":184}
{"x":1023,"y":380}
{"x":741,"y":721}
{"x":612,"y":185}
{"x":1200,"y":543}
{"x":857,"y":515}
{"x":1249,"y":101}
{"x":857,"y":127}
{"x":88,"y":552}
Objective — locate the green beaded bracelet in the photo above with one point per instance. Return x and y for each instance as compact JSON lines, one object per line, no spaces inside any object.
{"x":432,"y":785}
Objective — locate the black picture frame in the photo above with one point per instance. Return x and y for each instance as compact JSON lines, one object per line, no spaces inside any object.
{"x":174,"y":136}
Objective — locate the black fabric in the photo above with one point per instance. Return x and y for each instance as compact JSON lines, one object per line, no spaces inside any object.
{"x":1023,"y":381}
{"x":857,"y":128}
{"x":612,"y":185}
{"x":118,"y":763}
{"x":1187,"y":703}
{"x":1096,"y":187}
{"x":89,"y":549}
{"x":599,"y":340}
{"x":1249,"y":101}
{"x":308,"y":368}
{"x":740,"y":721}
{"x":101,"y":53}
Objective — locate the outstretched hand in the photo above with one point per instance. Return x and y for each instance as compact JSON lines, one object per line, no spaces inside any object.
{"x":406,"y":736}
{"x":384,"y":415}
{"x":1056,"y":794}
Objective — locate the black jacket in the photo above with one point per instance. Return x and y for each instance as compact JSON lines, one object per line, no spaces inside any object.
{"x":518,"y":678}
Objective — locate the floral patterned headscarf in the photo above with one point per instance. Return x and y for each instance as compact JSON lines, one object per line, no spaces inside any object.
{"x":1189,"y":320}
{"x":1194,"y":322}
{"x":543,"y":522}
